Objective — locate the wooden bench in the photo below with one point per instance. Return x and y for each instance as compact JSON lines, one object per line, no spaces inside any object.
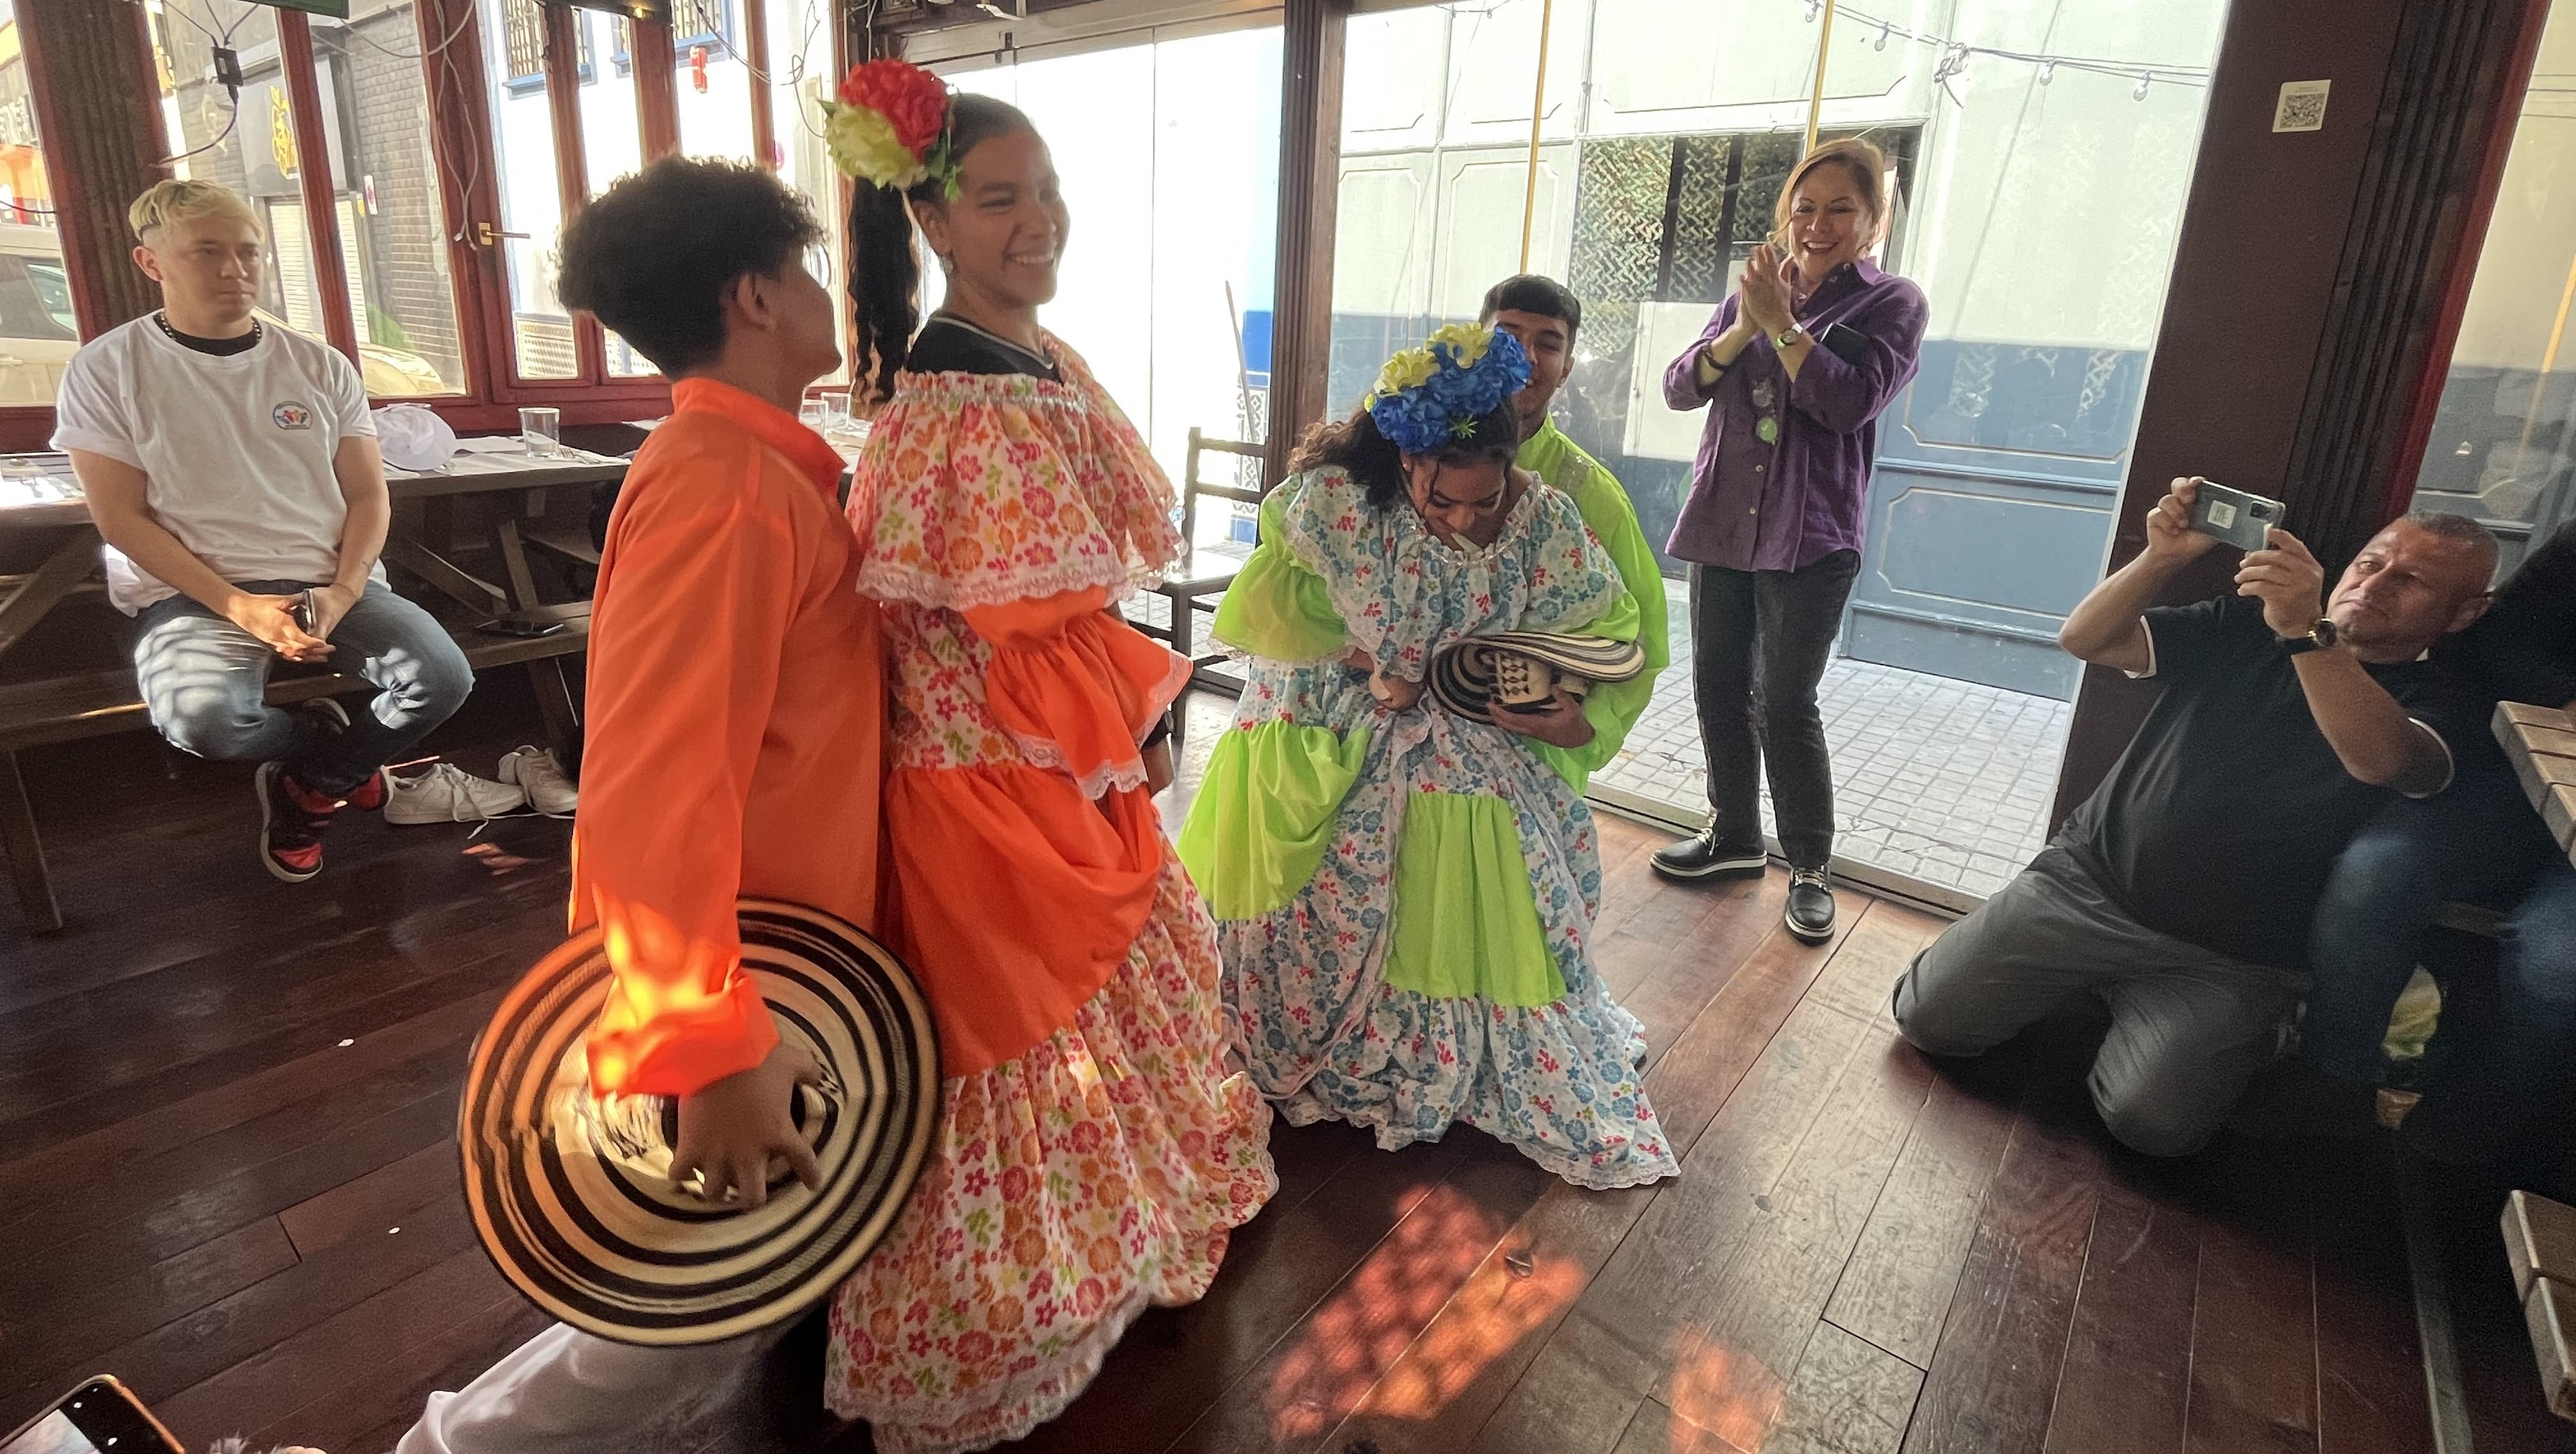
{"x":60,"y":550}
{"x":2541,"y":743}
{"x":98,"y":704}
{"x":2540,"y":1238}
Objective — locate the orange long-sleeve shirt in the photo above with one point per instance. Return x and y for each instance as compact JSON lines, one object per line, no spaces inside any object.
{"x":735,"y":735}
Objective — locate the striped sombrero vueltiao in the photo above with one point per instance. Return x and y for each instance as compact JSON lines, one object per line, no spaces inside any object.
{"x":1462,"y":676}
{"x":571,"y":1195}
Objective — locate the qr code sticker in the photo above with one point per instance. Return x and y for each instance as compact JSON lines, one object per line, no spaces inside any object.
{"x":2222,"y":516}
{"x":2302,"y":107}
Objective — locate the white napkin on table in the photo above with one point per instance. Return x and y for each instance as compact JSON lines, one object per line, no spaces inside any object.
{"x":414,"y":438}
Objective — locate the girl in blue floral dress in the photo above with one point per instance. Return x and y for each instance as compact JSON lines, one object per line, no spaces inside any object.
{"x":1405,"y":896}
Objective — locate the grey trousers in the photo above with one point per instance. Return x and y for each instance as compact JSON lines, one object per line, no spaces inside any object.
{"x":2189,"y":1027}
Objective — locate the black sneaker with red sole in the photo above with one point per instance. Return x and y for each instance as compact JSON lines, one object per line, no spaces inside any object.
{"x":367,"y":796}
{"x":292,"y":820}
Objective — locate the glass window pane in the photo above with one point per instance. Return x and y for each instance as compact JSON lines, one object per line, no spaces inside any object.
{"x":1191,"y":347}
{"x":1668,"y":136}
{"x":1216,"y":206}
{"x":612,"y":142}
{"x":531,"y":192}
{"x":38,"y":333}
{"x":719,"y":91}
{"x":391,"y":209}
{"x":714,"y":81}
{"x":248,"y":146}
{"x":800,"y":75}
{"x":2502,"y":447}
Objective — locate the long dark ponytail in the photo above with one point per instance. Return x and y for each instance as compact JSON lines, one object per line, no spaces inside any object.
{"x":1357,"y":445}
{"x":885,"y":271}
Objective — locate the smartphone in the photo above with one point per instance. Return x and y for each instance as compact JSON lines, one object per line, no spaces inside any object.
{"x":100,"y":1417}
{"x":302,"y":612}
{"x":2242,"y":520}
{"x":1848,"y":344}
{"x":520,"y":626}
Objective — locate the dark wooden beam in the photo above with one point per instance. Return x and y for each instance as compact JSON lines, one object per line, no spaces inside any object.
{"x":1310,"y":173}
{"x":914,"y":17}
{"x":754,"y":20}
{"x":89,"y":66}
{"x":572,"y":160}
{"x":460,"y":123}
{"x":2454,"y":93}
{"x":657,"y":87}
{"x":2270,"y":348}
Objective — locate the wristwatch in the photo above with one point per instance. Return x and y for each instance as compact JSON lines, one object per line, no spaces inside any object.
{"x":2319,"y":637}
{"x":1788,"y":335}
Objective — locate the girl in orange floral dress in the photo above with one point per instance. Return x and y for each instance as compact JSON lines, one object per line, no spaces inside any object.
{"x":1096,"y":1153}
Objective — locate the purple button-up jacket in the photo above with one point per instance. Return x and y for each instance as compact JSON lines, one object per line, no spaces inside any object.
{"x":1789,"y":503}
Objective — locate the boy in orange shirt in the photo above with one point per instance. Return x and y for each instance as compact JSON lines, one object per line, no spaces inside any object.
{"x":736,"y":709}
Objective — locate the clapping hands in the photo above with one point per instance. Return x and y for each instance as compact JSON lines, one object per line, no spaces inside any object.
{"x":1764,"y":297}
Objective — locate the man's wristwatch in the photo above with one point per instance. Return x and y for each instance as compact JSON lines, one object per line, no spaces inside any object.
{"x":1789,"y":335}
{"x":2319,"y":637}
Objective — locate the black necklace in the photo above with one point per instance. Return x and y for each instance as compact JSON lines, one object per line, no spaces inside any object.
{"x":182,"y":339}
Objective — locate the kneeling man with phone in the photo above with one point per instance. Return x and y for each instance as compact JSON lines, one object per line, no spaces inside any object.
{"x":2180,"y":894}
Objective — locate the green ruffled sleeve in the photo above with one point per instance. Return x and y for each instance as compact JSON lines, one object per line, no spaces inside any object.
{"x":1640,"y":616}
{"x":1276,"y":608}
{"x":1264,"y":813}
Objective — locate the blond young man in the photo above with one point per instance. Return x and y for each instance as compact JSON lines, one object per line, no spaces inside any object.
{"x":233,"y":472}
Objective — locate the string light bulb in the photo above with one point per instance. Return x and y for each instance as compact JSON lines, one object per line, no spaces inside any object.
{"x":1953,"y":61}
{"x":1955,"y":55}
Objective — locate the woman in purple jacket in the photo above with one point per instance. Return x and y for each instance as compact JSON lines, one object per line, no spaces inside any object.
{"x":1796,"y":367}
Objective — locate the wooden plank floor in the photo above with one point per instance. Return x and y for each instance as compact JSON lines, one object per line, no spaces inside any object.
{"x":227,"y":1175}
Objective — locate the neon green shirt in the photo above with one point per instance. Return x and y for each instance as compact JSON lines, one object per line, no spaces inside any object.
{"x":1613,"y":707}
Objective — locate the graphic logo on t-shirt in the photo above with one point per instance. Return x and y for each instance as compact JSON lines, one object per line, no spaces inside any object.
{"x":291,"y":415}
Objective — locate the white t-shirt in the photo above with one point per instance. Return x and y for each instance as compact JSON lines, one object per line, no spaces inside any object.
{"x":237,"y":448}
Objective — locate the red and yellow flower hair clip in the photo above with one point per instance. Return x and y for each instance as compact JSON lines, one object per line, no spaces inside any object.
{"x":890,"y":127}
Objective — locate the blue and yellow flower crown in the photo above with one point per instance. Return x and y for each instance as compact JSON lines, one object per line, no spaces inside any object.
{"x":1426,"y":397}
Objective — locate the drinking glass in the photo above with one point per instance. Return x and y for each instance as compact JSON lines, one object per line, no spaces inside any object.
{"x":541,"y":431}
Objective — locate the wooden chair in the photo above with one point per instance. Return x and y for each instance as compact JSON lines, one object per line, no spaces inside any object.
{"x":1203,"y":575}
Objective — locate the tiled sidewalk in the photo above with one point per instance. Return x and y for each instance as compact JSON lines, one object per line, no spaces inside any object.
{"x":1941,"y":780}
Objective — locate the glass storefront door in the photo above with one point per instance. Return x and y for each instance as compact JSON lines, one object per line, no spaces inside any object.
{"x":2502,"y":448}
{"x":2040,"y":156}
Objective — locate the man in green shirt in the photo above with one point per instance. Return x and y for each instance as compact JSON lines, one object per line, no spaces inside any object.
{"x":1544,"y":315}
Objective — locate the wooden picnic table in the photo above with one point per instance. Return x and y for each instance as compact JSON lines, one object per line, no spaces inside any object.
{"x":49,"y":553}
{"x":72,"y":558}
{"x":2541,"y":741}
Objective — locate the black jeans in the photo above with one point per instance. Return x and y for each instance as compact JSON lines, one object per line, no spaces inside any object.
{"x":1759,"y":643}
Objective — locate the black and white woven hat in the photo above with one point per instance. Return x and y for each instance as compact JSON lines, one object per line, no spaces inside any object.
{"x":1527,"y":666}
{"x":571,"y":1194}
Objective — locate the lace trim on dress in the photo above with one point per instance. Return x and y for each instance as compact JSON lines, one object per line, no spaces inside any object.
{"x":983,"y":489}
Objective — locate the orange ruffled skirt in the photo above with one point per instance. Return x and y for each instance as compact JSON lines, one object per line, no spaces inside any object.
{"x":1098,"y":1173}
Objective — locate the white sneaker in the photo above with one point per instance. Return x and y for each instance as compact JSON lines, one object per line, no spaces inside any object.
{"x":448,"y":794}
{"x":549,"y":791}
